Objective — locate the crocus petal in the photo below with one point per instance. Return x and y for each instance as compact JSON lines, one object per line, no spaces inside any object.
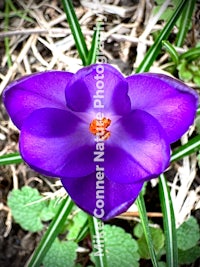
{"x":98,"y":86}
{"x":56,"y":143}
{"x":137,"y":149}
{"x":45,"y":89}
{"x":170,"y":101}
{"x":89,"y":193}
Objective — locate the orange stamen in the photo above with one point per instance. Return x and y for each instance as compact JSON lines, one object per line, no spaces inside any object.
{"x":98,"y":127}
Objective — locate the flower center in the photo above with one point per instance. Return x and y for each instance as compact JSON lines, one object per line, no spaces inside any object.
{"x":98,"y":128}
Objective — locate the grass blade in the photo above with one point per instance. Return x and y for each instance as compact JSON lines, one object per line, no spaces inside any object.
{"x":192,"y":146}
{"x":13,"y":158}
{"x":185,"y":22}
{"x":144,"y":220}
{"x":169,"y":223}
{"x":51,"y":233}
{"x":76,"y":30}
{"x":154,"y":50}
{"x":94,"y":46}
{"x":191,"y":54}
{"x":171,"y":50}
{"x":96,"y":230}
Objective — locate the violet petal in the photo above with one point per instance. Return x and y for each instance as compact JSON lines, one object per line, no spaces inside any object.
{"x":116,"y":198}
{"x":86,"y":92}
{"x":39,"y":90}
{"x":170,"y":101}
{"x":137,"y":149}
{"x":56,"y":143}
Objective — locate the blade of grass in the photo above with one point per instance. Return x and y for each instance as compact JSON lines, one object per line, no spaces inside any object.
{"x":169,"y":223}
{"x":144,"y":220}
{"x":83,"y":232}
{"x":94,"y":46}
{"x":51,"y":233}
{"x":154,"y":50}
{"x":13,"y":158}
{"x":192,"y":146}
{"x":76,"y":30}
{"x":171,"y":50}
{"x":185,"y":22}
{"x":191,"y":54}
{"x":96,"y":229}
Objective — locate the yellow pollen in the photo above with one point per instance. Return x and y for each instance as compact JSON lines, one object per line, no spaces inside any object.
{"x":98,"y":128}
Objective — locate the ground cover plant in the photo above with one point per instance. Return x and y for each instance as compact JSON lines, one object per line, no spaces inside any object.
{"x":40,"y":224}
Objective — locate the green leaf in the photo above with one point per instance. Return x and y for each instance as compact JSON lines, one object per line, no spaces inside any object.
{"x":191,"y":54}
{"x":192,"y":146}
{"x":157,"y":240}
{"x":24,"y":210}
{"x":185,"y":22}
{"x":197,"y":124}
{"x":76,"y":30}
{"x":61,"y":254}
{"x":154,"y":50}
{"x":49,"y":212}
{"x":13,"y":158}
{"x":184,"y":73}
{"x":196,"y":80}
{"x":121,"y":248}
{"x":188,"y":256}
{"x":188,"y":234}
{"x":145,"y":224}
{"x":95,"y":46}
{"x":78,"y":223}
{"x":162,"y":264}
{"x":171,"y":50}
{"x":168,"y":222}
{"x":138,"y":230}
{"x":98,"y":254}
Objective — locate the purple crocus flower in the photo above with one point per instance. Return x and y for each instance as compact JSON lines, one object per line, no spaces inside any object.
{"x":103,"y":134}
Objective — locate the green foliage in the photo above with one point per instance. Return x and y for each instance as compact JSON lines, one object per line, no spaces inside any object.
{"x":52,"y":207}
{"x":189,"y":256}
{"x":26,"y":206}
{"x":187,"y":64}
{"x":121,"y":249}
{"x":61,"y":254}
{"x":162,"y":264}
{"x":13,"y":158}
{"x":77,"y":224}
{"x":29,"y":208}
{"x":188,"y":235}
{"x":157,"y":239}
{"x":189,"y":71}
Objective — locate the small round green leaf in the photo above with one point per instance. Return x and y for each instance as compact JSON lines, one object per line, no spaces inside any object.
{"x":188,"y":234}
{"x":61,"y":254}
{"x":26,"y":205}
{"x":121,"y":249}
